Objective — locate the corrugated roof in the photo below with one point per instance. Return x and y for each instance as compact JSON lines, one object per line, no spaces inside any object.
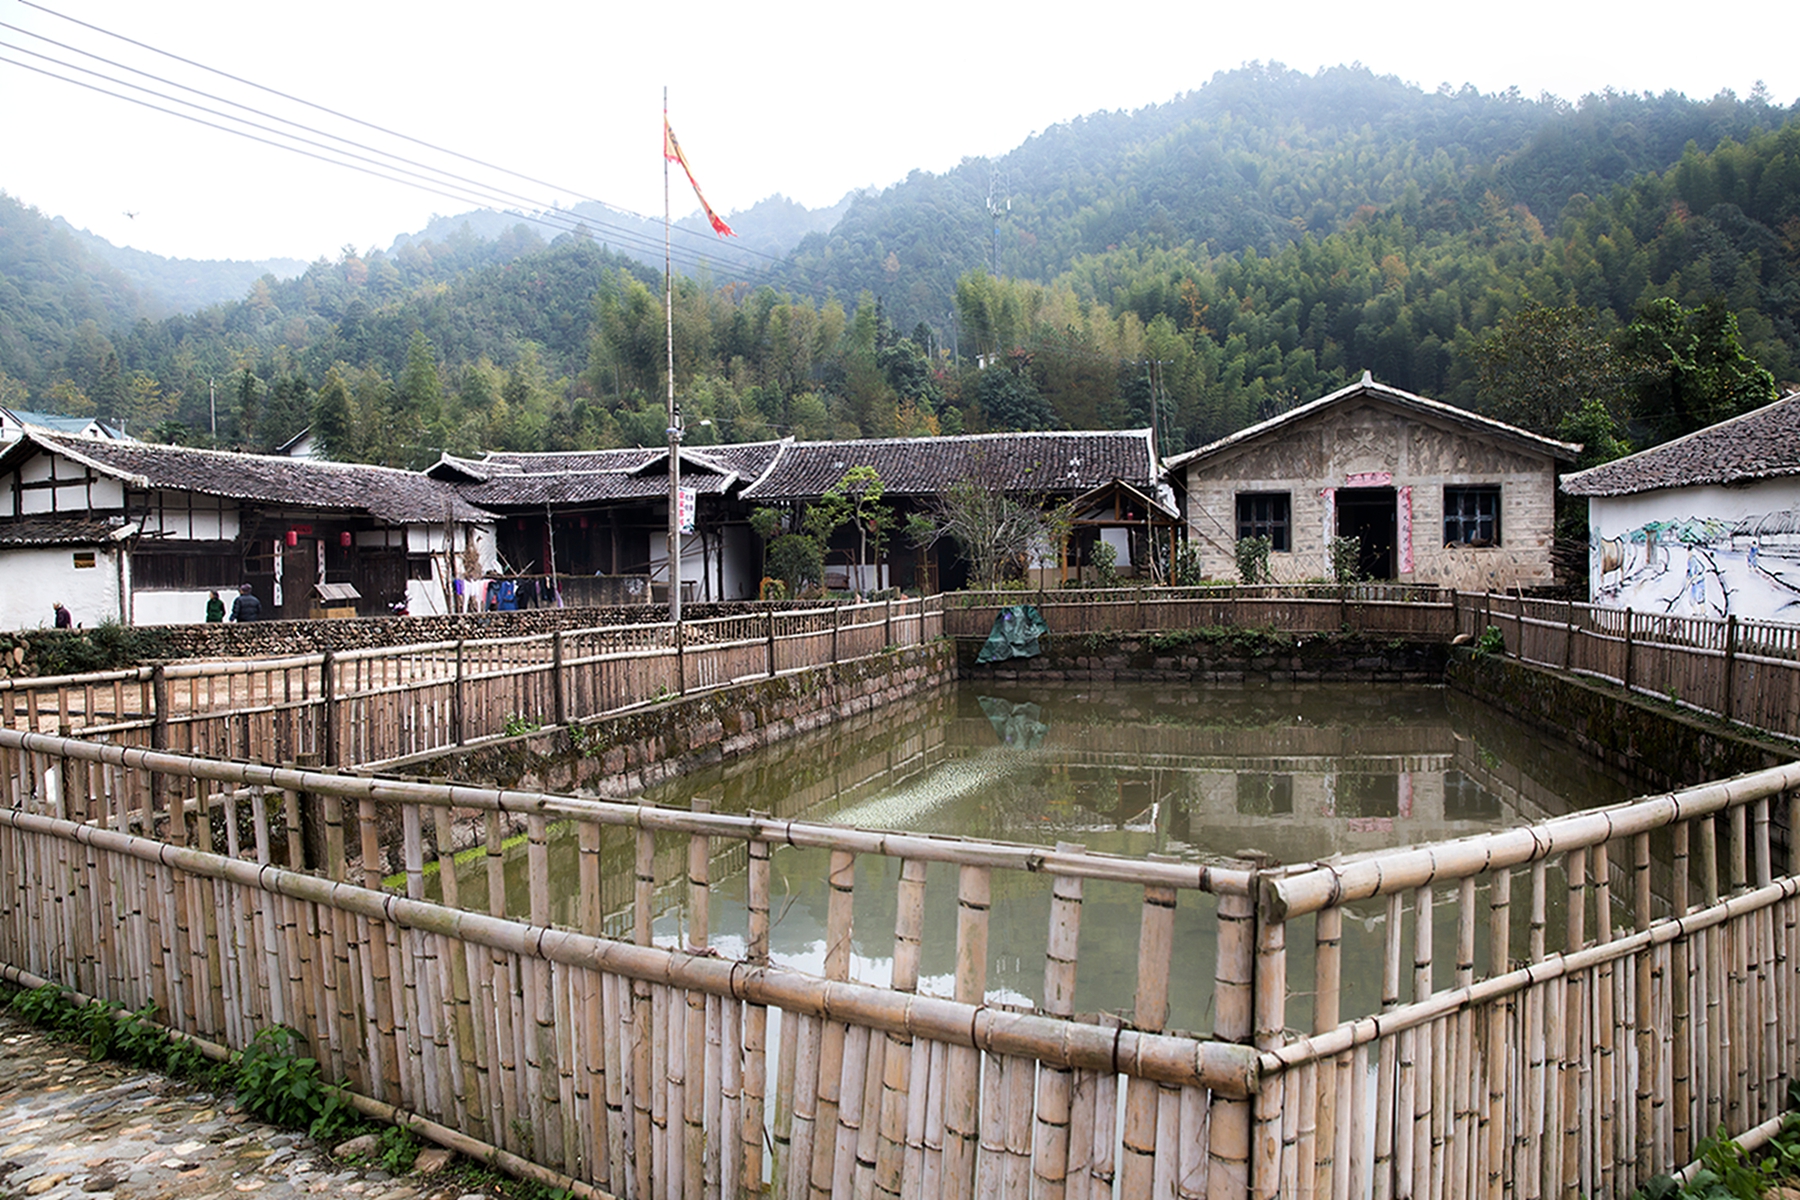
{"x":1048,"y":463}
{"x":383,"y":492}
{"x":1763,"y":444}
{"x":1367,"y":388}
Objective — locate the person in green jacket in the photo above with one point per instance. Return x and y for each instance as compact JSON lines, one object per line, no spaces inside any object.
{"x":215,"y":608}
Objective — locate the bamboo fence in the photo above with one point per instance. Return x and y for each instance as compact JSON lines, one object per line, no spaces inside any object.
{"x":233,"y":896}
{"x":1744,"y":671}
{"x":368,"y":707}
{"x":1378,"y":609}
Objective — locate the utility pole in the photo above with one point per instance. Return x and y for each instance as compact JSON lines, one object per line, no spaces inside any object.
{"x":212,"y":405}
{"x":674,"y":411}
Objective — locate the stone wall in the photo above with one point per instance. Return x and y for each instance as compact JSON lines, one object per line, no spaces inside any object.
{"x":1648,"y":739}
{"x":616,"y":757}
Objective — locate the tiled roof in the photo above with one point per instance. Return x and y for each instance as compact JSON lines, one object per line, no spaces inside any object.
{"x":594,"y":476}
{"x":1763,"y":444}
{"x":383,"y":492}
{"x":48,"y":530}
{"x":1053,"y":463}
{"x":1418,"y":405}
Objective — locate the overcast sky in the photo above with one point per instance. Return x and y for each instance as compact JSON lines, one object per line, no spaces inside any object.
{"x":806,"y":99}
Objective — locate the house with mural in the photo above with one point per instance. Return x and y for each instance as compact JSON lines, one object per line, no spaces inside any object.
{"x":1705,"y":525}
{"x":1432,"y":493}
{"x":141,"y":534}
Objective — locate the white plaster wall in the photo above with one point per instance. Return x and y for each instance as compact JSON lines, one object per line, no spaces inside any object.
{"x":1675,"y":551}
{"x":1120,"y":541}
{"x":174,"y":607}
{"x":37,"y":578}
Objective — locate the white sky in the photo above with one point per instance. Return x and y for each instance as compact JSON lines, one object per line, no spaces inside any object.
{"x":809,"y":99}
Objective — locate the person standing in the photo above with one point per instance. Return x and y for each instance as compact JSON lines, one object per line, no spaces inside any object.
{"x":215,"y":608}
{"x":246,"y":607}
{"x":64,"y":620}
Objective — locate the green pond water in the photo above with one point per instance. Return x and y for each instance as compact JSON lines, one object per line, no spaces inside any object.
{"x":1193,"y":772}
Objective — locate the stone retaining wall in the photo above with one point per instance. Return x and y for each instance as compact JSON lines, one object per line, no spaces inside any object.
{"x":1218,"y":655}
{"x":616,"y":757}
{"x":1649,"y":739}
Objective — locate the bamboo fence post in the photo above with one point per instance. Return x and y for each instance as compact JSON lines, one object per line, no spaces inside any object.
{"x":893,"y":1156}
{"x":1156,"y":943}
{"x":834,"y":1146}
{"x":1050,"y":1149}
{"x":1681,"y":991}
{"x":1424,"y":1079}
{"x":680,"y":661}
{"x":1643,"y":1018}
{"x":1604,"y":1092}
{"x":1234,"y":976}
{"x":755,"y":1018}
{"x":1575,"y":863}
{"x":159,"y":740}
{"x":1328,"y":957}
{"x":1393,"y":1134}
{"x":1461,"y":1068}
{"x":1500,"y":1019}
{"x":699,"y":941}
{"x":769,"y":614}
{"x":963,"y":1064}
{"x":642,"y":1082}
{"x":1270,"y":1004}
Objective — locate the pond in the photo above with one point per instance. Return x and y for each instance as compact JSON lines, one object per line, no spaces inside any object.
{"x":1289,"y":773}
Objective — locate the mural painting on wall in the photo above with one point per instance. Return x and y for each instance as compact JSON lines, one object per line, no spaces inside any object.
{"x":1704,"y":567}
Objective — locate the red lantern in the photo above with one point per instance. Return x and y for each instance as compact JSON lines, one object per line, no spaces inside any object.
{"x":344,"y":539}
{"x":293,"y":537}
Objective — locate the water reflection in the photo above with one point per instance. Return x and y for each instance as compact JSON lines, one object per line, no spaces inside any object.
{"x":1292,"y":773}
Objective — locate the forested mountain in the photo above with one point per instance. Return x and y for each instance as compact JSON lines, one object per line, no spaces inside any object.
{"x":172,"y":285}
{"x":1205,"y":263}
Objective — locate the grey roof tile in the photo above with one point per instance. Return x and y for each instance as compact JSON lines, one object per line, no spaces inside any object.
{"x":1762,"y":444}
{"x":1053,"y":463}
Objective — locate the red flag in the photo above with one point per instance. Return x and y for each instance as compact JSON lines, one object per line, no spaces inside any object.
{"x":672,"y":152}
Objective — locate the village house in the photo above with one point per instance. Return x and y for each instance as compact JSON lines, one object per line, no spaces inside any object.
{"x":598,"y":520}
{"x":1705,"y":525}
{"x":1112,"y":479}
{"x":1432,"y":493}
{"x":141,"y":534}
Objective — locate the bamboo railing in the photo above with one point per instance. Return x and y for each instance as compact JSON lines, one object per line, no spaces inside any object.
{"x":372,"y":706}
{"x":234,"y":896}
{"x":1643,"y":996}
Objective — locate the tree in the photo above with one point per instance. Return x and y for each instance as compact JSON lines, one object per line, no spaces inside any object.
{"x":1537,"y":366}
{"x":856,"y":497}
{"x":794,"y":558}
{"x":1010,"y":400}
{"x":332,"y":422}
{"x":996,"y":533}
{"x":1691,"y":368}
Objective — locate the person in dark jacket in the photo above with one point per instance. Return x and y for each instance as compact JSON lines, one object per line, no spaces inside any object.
{"x":246,"y":607}
{"x":215,"y":608}
{"x":63,"y":618}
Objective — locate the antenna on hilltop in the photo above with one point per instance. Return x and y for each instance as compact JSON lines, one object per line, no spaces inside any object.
{"x":999,"y":200}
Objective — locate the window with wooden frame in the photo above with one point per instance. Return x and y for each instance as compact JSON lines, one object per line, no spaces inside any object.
{"x":1264,"y":514}
{"x":1472,"y":515}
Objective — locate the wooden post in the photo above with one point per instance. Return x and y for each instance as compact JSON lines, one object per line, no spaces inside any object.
{"x":159,"y":740}
{"x":328,"y":725}
{"x":837,"y":619}
{"x":457,"y":734}
{"x":1569,"y":637}
{"x":888,"y":623}
{"x":1728,"y":704}
{"x":756,"y":1018}
{"x":1626,"y":677}
{"x":770,"y":614}
{"x":1156,"y":943}
{"x":558,"y":687}
{"x":680,"y":663}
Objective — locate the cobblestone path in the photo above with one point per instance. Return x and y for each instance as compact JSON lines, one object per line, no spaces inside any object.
{"x":73,"y":1129}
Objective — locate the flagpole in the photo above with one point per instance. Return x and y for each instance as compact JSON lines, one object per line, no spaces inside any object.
{"x":674,"y":412}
